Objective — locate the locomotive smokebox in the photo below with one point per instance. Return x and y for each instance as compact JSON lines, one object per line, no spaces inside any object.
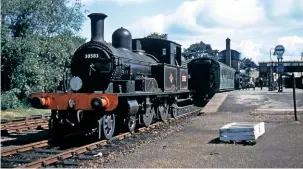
{"x":97,"y":26}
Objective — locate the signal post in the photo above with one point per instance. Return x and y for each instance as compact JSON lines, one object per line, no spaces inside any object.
{"x":279,"y":50}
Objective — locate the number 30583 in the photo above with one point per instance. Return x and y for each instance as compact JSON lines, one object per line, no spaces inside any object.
{"x":91,"y":56}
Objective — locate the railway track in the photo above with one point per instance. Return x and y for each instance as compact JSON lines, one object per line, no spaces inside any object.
{"x":24,"y":124}
{"x":16,"y":119}
{"x":41,"y":154}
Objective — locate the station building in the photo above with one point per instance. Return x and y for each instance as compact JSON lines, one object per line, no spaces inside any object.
{"x":295,"y":66}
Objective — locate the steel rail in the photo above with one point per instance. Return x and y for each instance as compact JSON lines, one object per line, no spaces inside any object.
{"x":80,"y":150}
{"x":24,"y":148}
{"x":20,"y":126}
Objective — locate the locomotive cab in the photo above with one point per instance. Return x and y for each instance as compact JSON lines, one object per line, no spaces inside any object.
{"x":165,"y":51}
{"x":169,"y":73}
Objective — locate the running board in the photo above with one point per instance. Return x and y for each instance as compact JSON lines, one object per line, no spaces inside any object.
{"x":183,"y":100}
{"x":185,"y":109}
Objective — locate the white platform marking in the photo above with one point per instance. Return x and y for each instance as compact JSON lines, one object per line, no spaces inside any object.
{"x":239,"y":131}
{"x":215,"y":102}
{"x":276,"y":111}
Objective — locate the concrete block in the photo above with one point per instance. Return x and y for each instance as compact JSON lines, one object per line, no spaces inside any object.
{"x":241,"y":131}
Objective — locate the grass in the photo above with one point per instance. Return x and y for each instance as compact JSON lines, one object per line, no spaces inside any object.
{"x":11,"y":113}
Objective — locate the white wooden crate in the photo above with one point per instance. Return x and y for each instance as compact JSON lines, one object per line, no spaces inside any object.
{"x":239,"y":131}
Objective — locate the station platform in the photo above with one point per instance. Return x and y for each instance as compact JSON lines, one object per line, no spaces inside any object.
{"x":197,"y":144}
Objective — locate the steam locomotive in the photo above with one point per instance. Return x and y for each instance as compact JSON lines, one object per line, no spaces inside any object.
{"x":132,"y":81}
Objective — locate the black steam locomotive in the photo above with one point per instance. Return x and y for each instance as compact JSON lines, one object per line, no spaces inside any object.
{"x":131,"y":81}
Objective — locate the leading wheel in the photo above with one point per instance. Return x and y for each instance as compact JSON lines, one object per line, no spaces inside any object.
{"x":107,"y":126}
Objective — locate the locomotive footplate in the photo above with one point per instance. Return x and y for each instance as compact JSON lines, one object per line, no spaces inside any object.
{"x":76,"y":101}
{"x":159,"y":94}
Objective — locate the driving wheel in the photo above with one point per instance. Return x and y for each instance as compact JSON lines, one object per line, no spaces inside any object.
{"x":162,"y":112}
{"x":147,"y":117}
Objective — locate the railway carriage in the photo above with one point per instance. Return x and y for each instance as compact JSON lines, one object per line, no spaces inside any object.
{"x":208,"y":76}
{"x":227,"y":77}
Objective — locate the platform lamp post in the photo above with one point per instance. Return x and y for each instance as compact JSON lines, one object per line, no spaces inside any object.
{"x":280,"y":77}
{"x":279,"y":51}
{"x":301,"y":71}
{"x":271,"y":77}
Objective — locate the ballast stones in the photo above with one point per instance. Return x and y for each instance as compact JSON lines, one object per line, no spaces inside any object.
{"x":242,"y":131}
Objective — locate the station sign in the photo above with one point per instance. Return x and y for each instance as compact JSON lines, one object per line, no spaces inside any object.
{"x":279,"y":51}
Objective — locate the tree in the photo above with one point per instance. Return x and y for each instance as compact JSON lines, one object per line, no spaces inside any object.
{"x":247,"y":64}
{"x":37,"y":39}
{"x":198,"y":50}
{"x":215,"y":54}
{"x":157,"y":35}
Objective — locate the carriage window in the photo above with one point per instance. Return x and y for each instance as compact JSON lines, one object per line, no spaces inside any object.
{"x":164,"y":51}
{"x":225,"y":73}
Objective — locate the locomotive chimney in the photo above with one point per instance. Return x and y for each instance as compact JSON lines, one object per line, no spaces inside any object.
{"x":97,"y":26}
{"x":228,"y":53}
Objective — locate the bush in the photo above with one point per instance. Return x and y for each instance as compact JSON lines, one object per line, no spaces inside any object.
{"x":9,"y":100}
{"x":37,"y":39}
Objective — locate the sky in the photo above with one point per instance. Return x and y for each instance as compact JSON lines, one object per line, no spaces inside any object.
{"x":254,"y":26}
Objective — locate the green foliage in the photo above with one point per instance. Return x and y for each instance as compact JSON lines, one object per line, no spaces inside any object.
{"x":198,"y":50}
{"x":37,"y":39}
{"x":247,"y":64}
{"x":157,"y":35}
{"x":215,"y":54}
{"x":10,"y":100}
{"x":43,"y":17}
